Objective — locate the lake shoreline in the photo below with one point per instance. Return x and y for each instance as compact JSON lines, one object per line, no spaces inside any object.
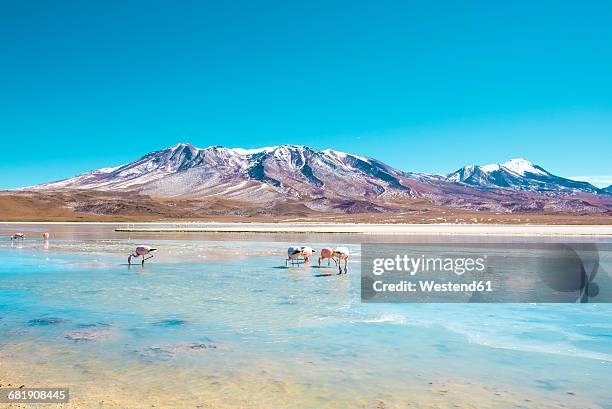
{"x":386,"y":229}
{"x":346,"y":228}
{"x":103,"y":391}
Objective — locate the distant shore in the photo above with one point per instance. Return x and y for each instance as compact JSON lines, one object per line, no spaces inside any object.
{"x":349,"y":228}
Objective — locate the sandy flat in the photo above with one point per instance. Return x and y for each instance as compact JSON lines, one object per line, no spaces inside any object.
{"x":134,"y":388}
{"x":475,"y":229}
{"x":361,"y":228}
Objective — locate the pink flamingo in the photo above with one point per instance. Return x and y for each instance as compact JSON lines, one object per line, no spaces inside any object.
{"x":46,"y":235}
{"x":326,"y":253}
{"x":295,"y":252}
{"x":307,"y":252}
{"x":141,"y":251}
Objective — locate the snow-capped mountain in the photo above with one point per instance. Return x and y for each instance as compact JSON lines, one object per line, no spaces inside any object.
{"x":328,"y":180}
{"x":288,"y":170}
{"x":519,"y":174}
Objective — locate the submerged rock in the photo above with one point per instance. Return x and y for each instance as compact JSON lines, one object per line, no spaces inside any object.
{"x":90,"y":332}
{"x":169,"y":351}
{"x":170,"y":323}
{"x":46,"y":321}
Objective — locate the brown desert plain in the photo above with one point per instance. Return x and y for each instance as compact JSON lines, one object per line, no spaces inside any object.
{"x":95,"y":206}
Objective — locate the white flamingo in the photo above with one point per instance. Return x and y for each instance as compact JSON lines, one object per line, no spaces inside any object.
{"x":341,"y":253}
{"x":142,"y":251}
{"x":17,"y":236}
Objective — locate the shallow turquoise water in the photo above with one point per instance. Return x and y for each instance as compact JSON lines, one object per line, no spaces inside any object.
{"x":224,"y":307}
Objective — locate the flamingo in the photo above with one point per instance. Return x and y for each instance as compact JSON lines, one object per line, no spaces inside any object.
{"x":17,"y":236}
{"x":326,"y":253}
{"x":46,"y":235}
{"x":141,"y":251}
{"x":341,"y":253}
{"x":295,"y":252}
{"x":307,"y":252}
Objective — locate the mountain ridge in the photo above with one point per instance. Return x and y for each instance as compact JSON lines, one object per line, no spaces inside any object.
{"x":330,"y":180}
{"x":519,"y":174}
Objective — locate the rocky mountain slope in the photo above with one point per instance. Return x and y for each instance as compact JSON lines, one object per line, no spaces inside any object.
{"x":520,"y":174}
{"x":333,"y":181}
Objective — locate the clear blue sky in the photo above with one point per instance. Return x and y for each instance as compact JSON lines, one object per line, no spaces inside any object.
{"x":424,"y":86}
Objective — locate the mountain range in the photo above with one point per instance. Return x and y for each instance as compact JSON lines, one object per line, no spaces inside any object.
{"x":271,"y":178}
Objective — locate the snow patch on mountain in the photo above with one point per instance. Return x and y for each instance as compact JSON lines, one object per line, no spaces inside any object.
{"x":519,"y":174}
{"x":522,"y":167}
{"x":285,"y":171}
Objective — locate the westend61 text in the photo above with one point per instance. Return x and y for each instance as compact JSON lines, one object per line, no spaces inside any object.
{"x":431,"y":286}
